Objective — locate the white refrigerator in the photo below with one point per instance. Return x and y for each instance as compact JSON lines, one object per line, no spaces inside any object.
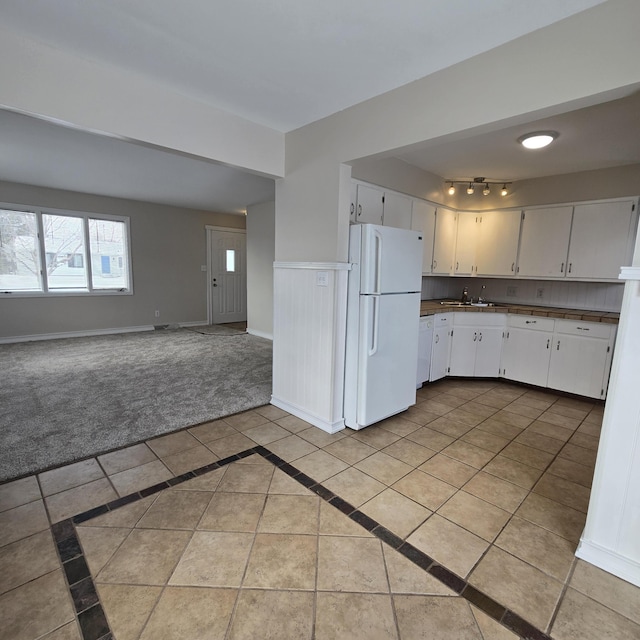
{"x":383,"y":316}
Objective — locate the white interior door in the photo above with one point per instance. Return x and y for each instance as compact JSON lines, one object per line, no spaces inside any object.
{"x":227,"y":268}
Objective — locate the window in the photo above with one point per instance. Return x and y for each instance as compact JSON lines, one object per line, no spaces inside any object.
{"x":56,"y":252}
{"x":231,"y":260}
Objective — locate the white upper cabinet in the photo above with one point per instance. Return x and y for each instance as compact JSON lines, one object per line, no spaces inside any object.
{"x":544,"y":242}
{"x":444,"y":241}
{"x":354,"y":202}
{"x":602,"y":238}
{"x":423,"y":218}
{"x":497,"y":243}
{"x":466,"y":243}
{"x":369,"y":206}
{"x":396,"y":211}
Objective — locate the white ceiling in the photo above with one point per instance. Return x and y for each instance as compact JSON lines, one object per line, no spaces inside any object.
{"x":283,"y":63}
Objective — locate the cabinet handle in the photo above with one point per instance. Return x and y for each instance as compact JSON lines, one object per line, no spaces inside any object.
{"x":437,"y":338}
{"x":360,"y":211}
{"x":513,"y":266}
{"x":569,"y":271}
{"x":480,"y":338}
{"x":530,"y":321}
{"x":558,"y":346}
{"x":353,"y":207}
{"x":475,"y":336}
{"x":435,"y":264}
{"x":548,"y":341}
{"x":457,"y":265}
{"x":582,"y":328}
{"x":562,"y":268}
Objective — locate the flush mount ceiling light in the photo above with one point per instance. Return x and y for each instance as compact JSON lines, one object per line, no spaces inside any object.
{"x":537,"y":139}
{"x":471,"y":186}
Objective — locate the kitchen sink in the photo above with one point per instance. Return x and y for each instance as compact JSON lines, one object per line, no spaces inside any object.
{"x":457,"y":303}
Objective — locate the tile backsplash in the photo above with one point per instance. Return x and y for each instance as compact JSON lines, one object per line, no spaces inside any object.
{"x":594,"y":296}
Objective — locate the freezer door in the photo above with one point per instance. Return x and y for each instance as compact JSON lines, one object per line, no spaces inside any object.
{"x":387,"y":356}
{"x":390,"y":260}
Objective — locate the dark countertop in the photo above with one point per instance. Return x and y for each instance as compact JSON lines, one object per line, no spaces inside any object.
{"x":431,"y":307}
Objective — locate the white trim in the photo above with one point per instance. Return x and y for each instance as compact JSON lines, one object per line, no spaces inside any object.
{"x":629,"y":273}
{"x":333,"y":266}
{"x":75,"y":334}
{"x":231,"y":229}
{"x":329,"y":427}
{"x":609,"y":561}
{"x":260,"y":334}
{"x":194,"y":323}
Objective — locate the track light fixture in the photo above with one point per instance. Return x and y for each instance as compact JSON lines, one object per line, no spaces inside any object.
{"x":471,"y":186}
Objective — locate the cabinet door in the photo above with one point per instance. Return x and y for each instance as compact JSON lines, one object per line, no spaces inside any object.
{"x":497,"y":250}
{"x":462,"y":359}
{"x":525,"y":356}
{"x":423,"y":218}
{"x":578,"y":365}
{"x":466,"y":241}
{"x":488,"y":352}
{"x":354,"y":202}
{"x":440,"y":346}
{"x":425,"y":341}
{"x":601,"y":240}
{"x":545,"y":242}
{"x":369,"y":207}
{"x":396,"y":211}
{"x":444,"y":243}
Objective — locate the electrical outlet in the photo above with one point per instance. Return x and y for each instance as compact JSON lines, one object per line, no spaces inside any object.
{"x":157,"y":313}
{"x":512,"y":292}
{"x":540,"y":293}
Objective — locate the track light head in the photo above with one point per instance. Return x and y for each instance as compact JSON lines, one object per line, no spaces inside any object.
{"x":470,"y":189}
{"x":486,"y":191}
{"x":452,"y":189}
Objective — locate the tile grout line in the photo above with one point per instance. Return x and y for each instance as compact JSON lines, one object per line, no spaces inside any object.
{"x":489,"y":606}
{"x":91,"y":616}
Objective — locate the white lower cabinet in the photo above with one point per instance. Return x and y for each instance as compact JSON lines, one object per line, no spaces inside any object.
{"x":440,"y":346}
{"x":559,"y":354}
{"x":425,"y":340}
{"x":581,"y":357}
{"x":476,"y":344}
{"x":527,"y":349}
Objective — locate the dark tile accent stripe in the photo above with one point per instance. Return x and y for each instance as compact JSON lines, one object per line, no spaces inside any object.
{"x":92,"y":619}
{"x":91,"y":616}
{"x":483,"y":602}
{"x":460,"y":586}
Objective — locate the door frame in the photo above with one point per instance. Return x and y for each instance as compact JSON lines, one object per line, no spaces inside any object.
{"x":209,"y":228}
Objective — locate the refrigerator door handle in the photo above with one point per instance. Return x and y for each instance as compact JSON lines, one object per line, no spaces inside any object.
{"x":375,"y":326}
{"x":378,"y":261}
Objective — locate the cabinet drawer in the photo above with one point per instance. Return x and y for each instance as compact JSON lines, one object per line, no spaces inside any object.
{"x":531,"y":322}
{"x":478,"y":319}
{"x":441,"y":320}
{"x":588,"y":329}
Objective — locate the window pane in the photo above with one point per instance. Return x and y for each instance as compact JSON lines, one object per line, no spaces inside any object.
{"x":19,"y":253}
{"x":63,"y":241}
{"x":231,"y":260}
{"x":107,"y":244}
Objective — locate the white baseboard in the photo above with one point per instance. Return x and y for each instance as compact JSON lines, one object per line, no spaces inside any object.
{"x":260,"y":334}
{"x":610,"y":561}
{"x":329,"y":427}
{"x":195,"y":323}
{"x":75,"y":334}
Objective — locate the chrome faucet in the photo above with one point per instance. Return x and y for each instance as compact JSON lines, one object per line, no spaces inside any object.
{"x":481,"y":296}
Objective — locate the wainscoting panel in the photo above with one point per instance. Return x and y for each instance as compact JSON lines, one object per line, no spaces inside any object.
{"x":309,"y":341}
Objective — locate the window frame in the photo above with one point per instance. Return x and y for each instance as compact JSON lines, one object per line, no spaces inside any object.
{"x":45,"y":291}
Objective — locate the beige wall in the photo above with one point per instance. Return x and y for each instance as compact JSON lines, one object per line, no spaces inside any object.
{"x":565,"y":70}
{"x":168,"y":247}
{"x":261,"y":235}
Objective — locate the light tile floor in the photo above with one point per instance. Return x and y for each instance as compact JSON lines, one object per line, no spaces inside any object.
{"x":491,"y":480}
